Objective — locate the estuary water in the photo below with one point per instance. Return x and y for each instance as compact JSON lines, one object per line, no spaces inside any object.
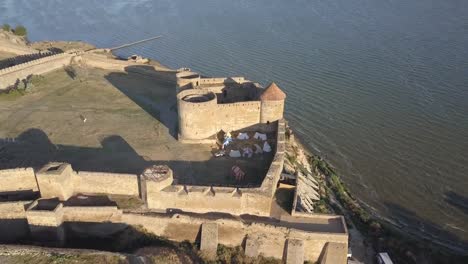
{"x":377,"y":87}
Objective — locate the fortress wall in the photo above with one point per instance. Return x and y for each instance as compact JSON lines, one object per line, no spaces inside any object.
{"x":203,"y":199}
{"x":23,"y":58}
{"x":221,"y":80}
{"x":270,"y":239}
{"x":186,"y":79}
{"x":273,"y":175}
{"x":94,"y":214}
{"x":270,"y":236}
{"x":108,"y":183}
{"x":271,"y":111}
{"x":13,"y":222}
{"x":56,"y":183}
{"x":52,"y":218}
{"x":9,"y":75}
{"x":21,"y":179}
{"x":12,"y":210}
{"x":236,"y":116}
{"x":197,"y":199}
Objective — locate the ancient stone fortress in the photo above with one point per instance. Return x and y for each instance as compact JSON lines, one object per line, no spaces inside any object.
{"x":209,"y":105}
{"x":54,"y":202}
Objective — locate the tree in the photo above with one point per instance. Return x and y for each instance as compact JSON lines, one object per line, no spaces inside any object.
{"x":20,"y":31}
{"x":6,"y":27}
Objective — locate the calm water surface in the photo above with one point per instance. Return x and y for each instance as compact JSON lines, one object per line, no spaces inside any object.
{"x":378,"y":87}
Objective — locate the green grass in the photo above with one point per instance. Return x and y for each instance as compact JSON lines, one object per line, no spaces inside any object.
{"x":11,"y":95}
{"x":20,"y":31}
{"x":6,"y":27}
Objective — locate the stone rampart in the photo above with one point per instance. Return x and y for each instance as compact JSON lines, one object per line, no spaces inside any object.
{"x":93,"y":214}
{"x":10,"y":75}
{"x":106,"y":183}
{"x":23,"y":59}
{"x":13,"y":222}
{"x":103,"y":62}
{"x":270,"y":238}
{"x":18,"y":180}
{"x":204,"y":199}
{"x":235,"y":116}
{"x":224,"y":80}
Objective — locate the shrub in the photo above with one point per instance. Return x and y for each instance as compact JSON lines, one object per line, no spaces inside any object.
{"x":20,"y":31}
{"x":6,"y":27}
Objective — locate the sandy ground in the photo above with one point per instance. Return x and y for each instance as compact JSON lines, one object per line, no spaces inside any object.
{"x":6,"y":55}
{"x":61,"y":45}
{"x":130,"y":123}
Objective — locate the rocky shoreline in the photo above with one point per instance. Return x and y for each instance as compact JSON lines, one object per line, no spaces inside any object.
{"x":368,"y":232}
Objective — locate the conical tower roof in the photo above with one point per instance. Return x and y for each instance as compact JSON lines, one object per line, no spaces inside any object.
{"x":272,"y":93}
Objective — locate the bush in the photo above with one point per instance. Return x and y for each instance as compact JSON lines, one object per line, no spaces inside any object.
{"x":20,"y":31}
{"x":6,"y":27}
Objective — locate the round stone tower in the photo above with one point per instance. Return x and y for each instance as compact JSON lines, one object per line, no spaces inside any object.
{"x":197,"y":119}
{"x":272,"y":106}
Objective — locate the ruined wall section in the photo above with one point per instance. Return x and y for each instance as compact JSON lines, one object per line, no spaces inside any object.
{"x":10,"y":75}
{"x":18,"y":180}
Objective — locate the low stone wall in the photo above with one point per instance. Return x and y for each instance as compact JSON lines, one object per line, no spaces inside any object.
{"x":107,"y":183}
{"x":18,"y":180}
